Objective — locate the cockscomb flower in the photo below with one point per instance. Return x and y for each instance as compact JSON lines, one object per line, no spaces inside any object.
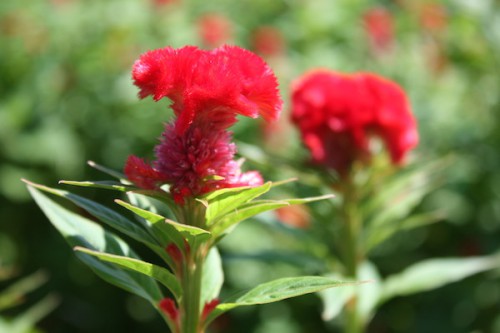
{"x":337,"y":114}
{"x":208,"y":89}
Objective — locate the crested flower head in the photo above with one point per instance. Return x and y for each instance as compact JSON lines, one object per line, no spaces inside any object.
{"x":228,"y":80}
{"x":336,"y":115}
{"x":208,"y":89}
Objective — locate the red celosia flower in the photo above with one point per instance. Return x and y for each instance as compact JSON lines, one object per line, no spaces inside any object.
{"x":208,"y":90}
{"x":379,"y":28}
{"x":220,"y":84}
{"x":337,"y":113}
{"x":214,"y":29}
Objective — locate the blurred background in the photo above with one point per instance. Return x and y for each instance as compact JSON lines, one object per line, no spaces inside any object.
{"x":66,"y":97}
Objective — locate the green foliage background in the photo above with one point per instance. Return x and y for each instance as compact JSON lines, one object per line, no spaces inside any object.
{"x":66,"y":97}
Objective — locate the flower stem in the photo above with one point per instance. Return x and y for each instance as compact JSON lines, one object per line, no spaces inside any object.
{"x":191,"y":284}
{"x":352,"y":251}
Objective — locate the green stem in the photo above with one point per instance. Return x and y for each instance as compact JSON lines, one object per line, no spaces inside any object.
{"x":191,"y":284}
{"x":352,"y":251}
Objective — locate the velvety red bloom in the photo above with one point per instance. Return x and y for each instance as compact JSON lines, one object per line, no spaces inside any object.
{"x":336,"y":115}
{"x":379,"y":29}
{"x":208,"y":90}
{"x":226,"y":81}
{"x":214,"y":29}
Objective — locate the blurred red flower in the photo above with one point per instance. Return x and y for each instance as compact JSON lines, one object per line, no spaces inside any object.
{"x":379,"y":27}
{"x":336,"y":115}
{"x":268,"y":41}
{"x":214,"y":29}
{"x":208,"y":89}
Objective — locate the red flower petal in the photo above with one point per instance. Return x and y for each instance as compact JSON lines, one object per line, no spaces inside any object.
{"x":142,"y":174}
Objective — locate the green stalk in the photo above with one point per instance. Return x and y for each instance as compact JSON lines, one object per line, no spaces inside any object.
{"x":192,"y":272}
{"x":352,"y":251}
{"x":191,"y":284}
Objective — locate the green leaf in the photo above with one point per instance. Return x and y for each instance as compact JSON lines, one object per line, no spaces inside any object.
{"x":103,"y":184}
{"x":193,"y":235}
{"x":300,"y":201}
{"x":278,"y":290}
{"x":255,"y":207}
{"x":434,"y":273}
{"x":396,"y":197}
{"x":213,"y":276}
{"x":162,"y":231}
{"x":106,"y":170}
{"x":79,"y":231}
{"x":25,"y":322}
{"x":160,"y":274}
{"x":226,"y":200}
{"x":376,"y":235}
{"x":367,"y":294}
{"x":106,"y":215}
{"x":244,"y":212}
{"x":13,"y":294}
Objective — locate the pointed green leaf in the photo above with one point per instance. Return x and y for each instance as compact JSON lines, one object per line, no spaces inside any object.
{"x":25,"y":321}
{"x":376,"y":235}
{"x":255,"y":207}
{"x":103,"y":184}
{"x":278,"y":290}
{"x":163,"y":232}
{"x":15,"y":292}
{"x":335,"y":299}
{"x":300,"y":201}
{"x":106,"y":170}
{"x":160,"y":274}
{"x":213,"y":276}
{"x":79,"y":231}
{"x":193,"y":235}
{"x":103,"y":213}
{"x":244,"y":212}
{"x":434,"y":273}
{"x":159,"y":195}
{"x":226,"y":200}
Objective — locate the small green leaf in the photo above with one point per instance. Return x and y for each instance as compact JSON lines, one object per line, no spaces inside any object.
{"x":13,"y":294}
{"x":193,"y":235}
{"x":434,"y":273}
{"x":161,"y":230}
{"x":278,"y":290}
{"x":160,"y":274}
{"x":226,"y":200}
{"x":79,"y":231}
{"x":244,"y":212}
{"x":255,"y":207}
{"x":103,"y":184}
{"x":106,"y":170}
{"x":376,"y":235}
{"x":213,"y":276}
